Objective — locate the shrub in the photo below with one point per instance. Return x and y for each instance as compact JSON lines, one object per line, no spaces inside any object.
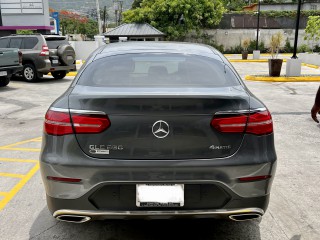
{"x":304,"y":48}
{"x":287,"y":47}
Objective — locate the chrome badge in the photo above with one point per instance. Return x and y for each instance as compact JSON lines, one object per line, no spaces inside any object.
{"x":160,"y":129}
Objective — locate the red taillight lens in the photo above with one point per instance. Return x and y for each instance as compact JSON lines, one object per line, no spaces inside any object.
{"x":259,"y":123}
{"x":233,"y":124}
{"x":44,"y":51}
{"x":90,"y":123}
{"x":57,"y":123}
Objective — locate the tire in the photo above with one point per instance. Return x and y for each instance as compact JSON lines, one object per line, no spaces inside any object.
{"x":59,"y":74}
{"x":29,"y":73}
{"x":4,"y":81}
{"x":66,"y":54}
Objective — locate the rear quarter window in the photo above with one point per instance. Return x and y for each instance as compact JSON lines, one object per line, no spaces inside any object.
{"x":157,"y":70}
{"x":29,"y":42}
{"x":15,"y":43}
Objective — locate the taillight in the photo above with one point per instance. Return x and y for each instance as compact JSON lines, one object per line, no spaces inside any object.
{"x":57,"y":123}
{"x":20,"y":57}
{"x":44,"y":50}
{"x":232,"y":124}
{"x":84,"y":123}
{"x":60,"y":123}
{"x":259,"y":123}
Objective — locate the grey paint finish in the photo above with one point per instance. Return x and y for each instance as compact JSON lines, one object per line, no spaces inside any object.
{"x":68,"y":156}
{"x":134,"y":29}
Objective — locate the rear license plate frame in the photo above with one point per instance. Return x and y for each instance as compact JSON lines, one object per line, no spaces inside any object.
{"x":160,"y":195}
{"x":3,"y":73}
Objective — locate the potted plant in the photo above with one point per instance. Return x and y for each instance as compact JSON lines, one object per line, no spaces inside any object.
{"x":275,"y":64}
{"x":245,"y":45}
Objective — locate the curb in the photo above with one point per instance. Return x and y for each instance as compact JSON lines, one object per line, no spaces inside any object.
{"x":252,"y":60}
{"x":72,"y":74}
{"x":262,"y":54}
{"x":282,"y":79}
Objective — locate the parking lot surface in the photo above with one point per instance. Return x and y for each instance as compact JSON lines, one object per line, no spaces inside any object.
{"x":293,"y":212}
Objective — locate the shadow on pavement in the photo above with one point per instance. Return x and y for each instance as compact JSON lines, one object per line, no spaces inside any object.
{"x":44,"y":79}
{"x":45,"y":227}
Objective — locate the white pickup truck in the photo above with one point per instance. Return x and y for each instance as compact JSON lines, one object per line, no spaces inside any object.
{"x":10,"y":63}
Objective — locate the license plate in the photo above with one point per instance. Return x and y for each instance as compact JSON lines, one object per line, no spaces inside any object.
{"x":160,"y":195}
{"x":55,"y":61}
{"x":3,"y":73}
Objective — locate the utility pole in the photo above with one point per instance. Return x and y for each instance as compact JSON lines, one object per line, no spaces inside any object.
{"x":258,"y":26}
{"x":297,"y":32}
{"x":104,"y":18}
{"x":99,"y":17}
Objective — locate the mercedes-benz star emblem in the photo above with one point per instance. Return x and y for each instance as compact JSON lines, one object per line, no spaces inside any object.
{"x":160,"y":129}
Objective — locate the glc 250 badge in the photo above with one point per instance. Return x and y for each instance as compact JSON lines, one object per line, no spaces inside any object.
{"x":160,"y":129}
{"x":104,"y":149}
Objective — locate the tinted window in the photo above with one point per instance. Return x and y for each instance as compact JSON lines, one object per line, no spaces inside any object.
{"x":54,"y":43}
{"x":15,"y":42}
{"x":4,"y":42}
{"x":29,"y":42}
{"x":157,"y":70}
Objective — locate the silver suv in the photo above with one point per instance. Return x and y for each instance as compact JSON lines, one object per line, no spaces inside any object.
{"x":42,"y":54}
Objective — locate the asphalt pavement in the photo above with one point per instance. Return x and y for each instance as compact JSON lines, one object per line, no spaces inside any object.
{"x":294,"y":212}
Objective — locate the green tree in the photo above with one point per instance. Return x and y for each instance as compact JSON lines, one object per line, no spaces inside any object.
{"x":136,"y":4}
{"x":313,"y":30}
{"x":176,"y":18}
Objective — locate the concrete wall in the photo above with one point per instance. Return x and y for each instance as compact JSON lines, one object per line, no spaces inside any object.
{"x":233,"y":37}
{"x":83,"y":48}
{"x":289,"y":6}
{"x":249,"y":21}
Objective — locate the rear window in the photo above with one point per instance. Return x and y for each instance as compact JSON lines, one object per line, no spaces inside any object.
{"x":4,"y":42}
{"x":157,"y":70}
{"x":54,"y":43}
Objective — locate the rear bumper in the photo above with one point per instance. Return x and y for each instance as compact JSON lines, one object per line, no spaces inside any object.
{"x":101,"y":215}
{"x":48,"y":67}
{"x":107,"y":186}
{"x":12,"y":69}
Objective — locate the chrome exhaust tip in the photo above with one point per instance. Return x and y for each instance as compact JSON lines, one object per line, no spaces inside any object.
{"x":73,"y":218}
{"x":244,"y":217}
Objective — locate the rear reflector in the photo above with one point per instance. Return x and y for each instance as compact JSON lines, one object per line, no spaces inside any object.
{"x":254,"y":178}
{"x":59,"y":123}
{"x":259,"y":123}
{"x":61,"y":179}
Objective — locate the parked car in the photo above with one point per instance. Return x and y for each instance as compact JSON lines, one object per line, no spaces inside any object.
{"x":10,"y":63}
{"x":42,"y":54}
{"x":157,"y":130}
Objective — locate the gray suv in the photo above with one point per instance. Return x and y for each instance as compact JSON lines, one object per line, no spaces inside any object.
{"x":42,"y":54}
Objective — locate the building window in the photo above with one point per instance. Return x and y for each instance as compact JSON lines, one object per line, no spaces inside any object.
{"x":314,"y":7}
